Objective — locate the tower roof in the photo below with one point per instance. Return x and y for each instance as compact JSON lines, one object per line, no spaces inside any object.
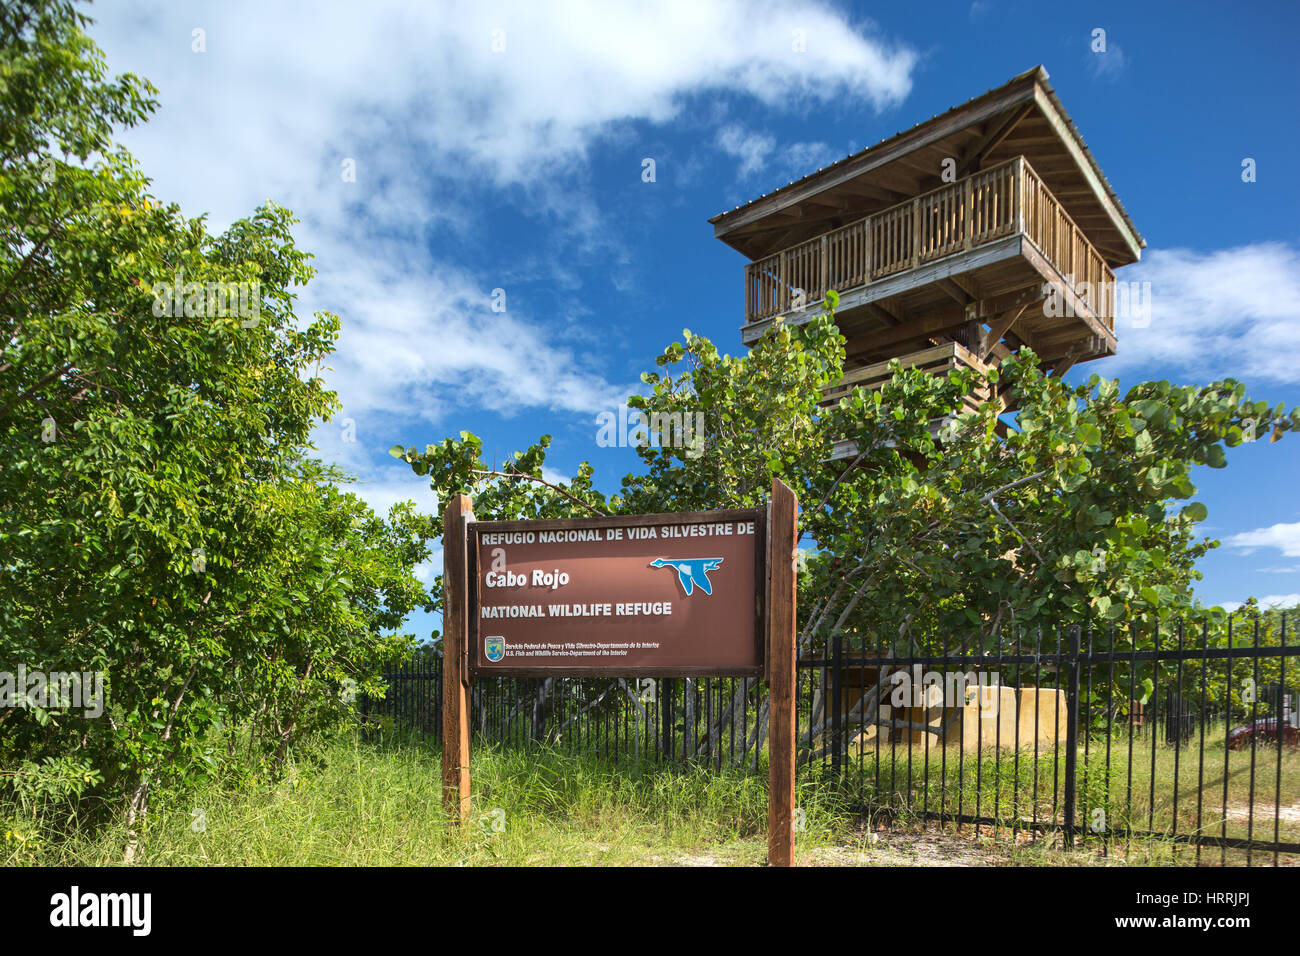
{"x":1022,"y":117}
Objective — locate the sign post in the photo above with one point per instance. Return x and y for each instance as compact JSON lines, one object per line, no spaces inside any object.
{"x":670,"y":595}
{"x":783,"y":509}
{"x":456,"y":608}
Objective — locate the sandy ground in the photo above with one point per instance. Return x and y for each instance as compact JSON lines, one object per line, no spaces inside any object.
{"x":912,"y":849}
{"x":1264,"y":812}
{"x":945,"y":848}
{"x":889,"y":848}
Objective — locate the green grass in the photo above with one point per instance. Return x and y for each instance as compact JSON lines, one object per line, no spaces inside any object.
{"x":378,"y":802}
{"x":1000,"y":786}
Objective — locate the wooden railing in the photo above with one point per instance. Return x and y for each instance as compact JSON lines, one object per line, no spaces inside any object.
{"x":1059,"y":238}
{"x":971,"y":212}
{"x":937,"y":360}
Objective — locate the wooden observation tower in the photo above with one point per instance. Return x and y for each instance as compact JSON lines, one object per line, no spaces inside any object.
{"x":956,"y":242}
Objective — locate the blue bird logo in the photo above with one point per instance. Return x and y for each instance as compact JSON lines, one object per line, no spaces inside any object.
{"x":690,"y":571}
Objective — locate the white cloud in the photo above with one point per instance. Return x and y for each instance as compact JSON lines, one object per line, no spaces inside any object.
{"x":1107,"y":64}
{"x":350,"y":446}
{"x":1272,"y":600}
{"x":426,"y":571}
{"x":419,"y":341}
{"x":759,"y":152}
{"x":282,"y":87}
{"x":799,"y":159}
{"x":1284,"y":537}
{"x":428,"y":114}
{"x":752,"y":149}
{"x":1231,"y":313}
{"x":382,"y":493}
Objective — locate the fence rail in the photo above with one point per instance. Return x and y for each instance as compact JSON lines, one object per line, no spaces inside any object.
{"x":1099,"y":737}
{"x":970,"y":212}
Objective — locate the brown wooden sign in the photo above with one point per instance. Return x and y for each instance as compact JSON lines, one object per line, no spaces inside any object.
{"x":694,"y":594}
{"x":642,"y":595}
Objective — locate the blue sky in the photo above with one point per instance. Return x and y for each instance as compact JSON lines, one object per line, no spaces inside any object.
{"x":519,"y":168}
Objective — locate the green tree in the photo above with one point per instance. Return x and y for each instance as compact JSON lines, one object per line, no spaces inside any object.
{"x":161,"y":520}
{"x":944,"y":527}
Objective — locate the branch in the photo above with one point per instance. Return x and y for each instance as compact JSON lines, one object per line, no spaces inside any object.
{"x":542,"y":481}
{"x":35,"y":388}
{"x":27,"y":259}
{"x":167,"y":730}
{"x":1018,"y":481}
{"x":830,"y":491}
{"x":1016,"y":531}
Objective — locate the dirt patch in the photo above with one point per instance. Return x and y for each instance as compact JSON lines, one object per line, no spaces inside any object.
{"x":1264,"y":811}
{"x":901,"y":848}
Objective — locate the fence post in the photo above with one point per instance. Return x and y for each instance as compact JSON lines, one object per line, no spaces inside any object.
{"x":1172,"y":706}
{"x":666,"y":716}
{"x":1071,"y":733}
{"x":688,"y":719}
{"x":437,"y":695}
{"x":837,"y":704}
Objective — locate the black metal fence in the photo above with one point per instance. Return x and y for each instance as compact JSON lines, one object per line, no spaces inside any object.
{"x":1111,"y":738}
